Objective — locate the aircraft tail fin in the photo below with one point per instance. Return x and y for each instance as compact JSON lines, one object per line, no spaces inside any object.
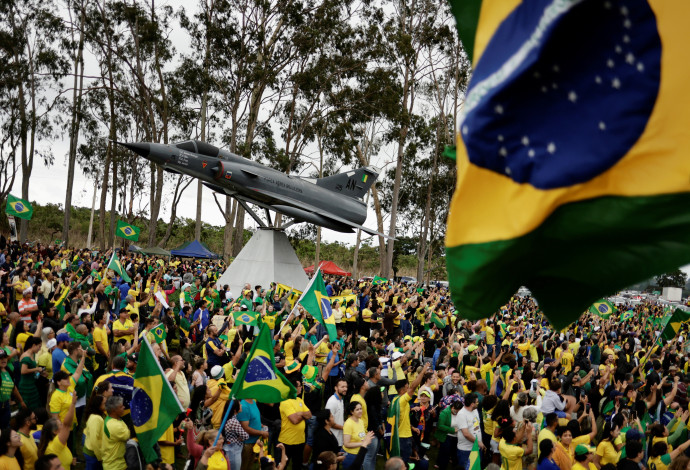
{"x":355,"y":183}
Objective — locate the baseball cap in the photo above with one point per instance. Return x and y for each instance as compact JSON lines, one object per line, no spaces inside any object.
{"x":51,"y":343}
{"x":63,"y":337}
{"x":216,"y":372}
{"x":133,"y":357}
{"x":581,"y":450}
{"x":633,"y":435}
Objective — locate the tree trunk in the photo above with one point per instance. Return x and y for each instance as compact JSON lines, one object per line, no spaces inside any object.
{"x":230,"y":208}
{"x":74,"y":126}
{"x":155,"y":203}
{"x":113,"y":207}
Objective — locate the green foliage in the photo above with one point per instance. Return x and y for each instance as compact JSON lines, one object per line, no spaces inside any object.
{"x":675,"y":278}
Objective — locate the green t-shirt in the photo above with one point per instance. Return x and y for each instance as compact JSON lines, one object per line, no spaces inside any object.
{"x":6,"y":387}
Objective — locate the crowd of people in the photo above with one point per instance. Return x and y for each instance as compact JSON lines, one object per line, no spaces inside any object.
{"x":407,"y":382}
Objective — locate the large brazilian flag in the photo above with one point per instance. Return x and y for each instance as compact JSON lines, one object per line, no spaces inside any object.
{"x":258,"y":378}
{"x":571,"y":151}
{"x":154,"y":404}
{"x":127,"y":231}
{"x":19,"y":207}
{"x":315,"y":301}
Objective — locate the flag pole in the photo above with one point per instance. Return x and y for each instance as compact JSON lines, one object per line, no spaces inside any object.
{"x":225,"y":418}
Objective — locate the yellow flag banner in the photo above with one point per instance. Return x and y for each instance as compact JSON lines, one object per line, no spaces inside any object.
{"x":342,"y":299}
{"x":293,"y":294}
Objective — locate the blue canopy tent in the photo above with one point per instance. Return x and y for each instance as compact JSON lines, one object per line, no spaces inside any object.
{"x":194,"y":249}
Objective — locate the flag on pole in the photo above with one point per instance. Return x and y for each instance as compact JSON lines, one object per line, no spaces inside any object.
{"x":393,"y":418}
{"x":602,"y":308}
{"x":19,"y":207}
{"x":475,"y":460}
{"x":537,"y":203}
{"x":629,"y":315}
{"x":159,"y":333}
{"x":259,"y":378}
{"x":378,"y":281}
{"x":154,"y":404}
{"x":60,"y":302}
{"x":116,"y":266}
{"x":127,"y":231}
{"x":246,"y":317}
{"x":315,"y":301}
{"x":673,"y":325}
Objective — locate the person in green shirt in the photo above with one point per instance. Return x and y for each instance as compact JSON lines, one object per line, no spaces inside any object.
{"x":7,"y":390}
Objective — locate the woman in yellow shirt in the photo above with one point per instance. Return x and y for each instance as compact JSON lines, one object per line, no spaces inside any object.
{"x":354,"y":433}
{"x":351,"y":318}
{"x":10,"y":457}
{"x":607,"y":450}
{"x":93,"y":430}
{"x":54,"y":437}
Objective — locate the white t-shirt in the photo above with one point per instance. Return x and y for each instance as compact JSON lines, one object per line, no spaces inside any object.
{"x":337,"y":409}
{"x":469,"y":420}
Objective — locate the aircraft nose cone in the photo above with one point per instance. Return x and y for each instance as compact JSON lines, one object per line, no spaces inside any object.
{"x":139,"y":148}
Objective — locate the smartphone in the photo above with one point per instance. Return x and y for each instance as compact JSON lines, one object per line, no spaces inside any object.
{"x":588,"y":407}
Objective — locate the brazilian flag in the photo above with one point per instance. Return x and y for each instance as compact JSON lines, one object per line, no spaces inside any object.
{"x":626,"y":316}
{"x":246,"y":317}
{"x":437,"y":321}
{"x":258,"y":378}
{"x":674,"y":323}
{"x":315,"y":301}
{"x":154,"y":404}
{"x":19,"y":207}
{"x":116,"y":266}
{"x":602,"y":308}
{"x":392,"y":426}
{"x":378,"y":281}
{"x":572,"y":167}
{"x":159,"y":333}
{"x":127,"y":231}
{"x":475,"y":461}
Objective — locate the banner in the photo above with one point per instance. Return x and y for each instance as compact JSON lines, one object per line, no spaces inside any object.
{"x":13,"y":228}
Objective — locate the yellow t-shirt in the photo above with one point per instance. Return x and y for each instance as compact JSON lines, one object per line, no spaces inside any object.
{"x":133,"y":308}
{"x":404,"y":428}
{"x":218,"y":405}
{"x":324,"y":349}
{"x":10,"y":463}
{"x":60,"y":402}
{"x":292,"y":434}
{"x":168,"y":452}
{"x":659,"y":463}
{"x":567,"y":360}
{"x":29,"y":452}
{"x":62,"y":451}
{"x":365,"y":418}
{"x":217,"y":462}
{"x":511,"y":455}
{"x":118,"y":326}
{"x":21,"y":340}
{"x":490,"y":336}
{"x":289,"y":352}
{"x":99,"y":334}
{"x":356,"y":431}
{"x":113,"y":447}
{"x":366,"y":315}
{"x":93,"y":435}
{"x":352,"y":315}
{"x":607,"y":453}
{"x":546,"y":434}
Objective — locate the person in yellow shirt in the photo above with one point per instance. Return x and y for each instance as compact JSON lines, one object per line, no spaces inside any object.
{"x":583,"y":459}
{"x":293,"y":416}
{"x":400,"y":406}
{"x":24,"y":419}
{"x":123,"y":327}
{"x":93,"y":430}
{"x":100,"y":344}
{"x":55,"y":434}
{"x":115,"y":435}
{"x":354,"y":432}
{"x":351,"y":318}
{"x":65,"y":384}
{"x":567,"y":360}
{"x":10,"y":443}
{"x":607,"y":450}
{"x":510,"y":446}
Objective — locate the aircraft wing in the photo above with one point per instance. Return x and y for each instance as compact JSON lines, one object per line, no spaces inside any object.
{"x":320,"y":212}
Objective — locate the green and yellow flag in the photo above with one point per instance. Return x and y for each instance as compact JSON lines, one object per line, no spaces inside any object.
{"x":673,"y":324}
{"x":154,"y":404}
{"x":315,"y":301}
{"x":246,"y":317}
{"x":475,"y":459}
{"x":259,"y":378}
{"x":561,"y":143}
{"x":116,"y":266}
{"x":378,"y":281}
{"x":393,"y":419}
{"x":628,"y":315}
{"x":127,"y":231}
{"x":602,"y":308}
{"x":437,"y":320}
{"x":19,"y":207}
{"x":159,"y":333}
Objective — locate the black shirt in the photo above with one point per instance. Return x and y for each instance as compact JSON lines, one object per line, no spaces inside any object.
{"x":323,"y":441}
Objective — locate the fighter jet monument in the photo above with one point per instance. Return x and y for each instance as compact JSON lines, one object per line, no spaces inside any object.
{"x":334,"y":202}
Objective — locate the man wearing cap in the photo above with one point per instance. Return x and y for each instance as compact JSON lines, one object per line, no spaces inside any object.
{"x":399,"y":415}
{"x":583,"y":456}
{"x":634,"y":451}
{"x":58,"y":354}
{"x":27,"y":306}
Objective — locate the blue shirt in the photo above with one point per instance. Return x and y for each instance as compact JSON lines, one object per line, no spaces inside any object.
{"x":329,"y":290}
{"x":124,"y":290}
{"x":58,"y":358}
{"x":211,"y":345}
{"x":334,"y":371}
{"x":250,"y":412}
{"x":434,"y":358}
